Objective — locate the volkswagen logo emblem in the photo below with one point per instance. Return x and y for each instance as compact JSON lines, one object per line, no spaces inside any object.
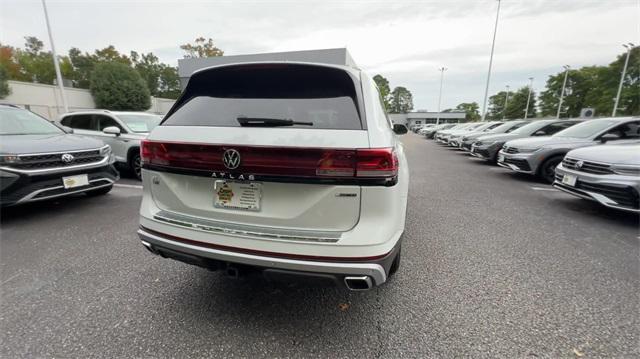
{"x":67,"y":158}
{"x":579,"y":165}
{"x":231,"y":159}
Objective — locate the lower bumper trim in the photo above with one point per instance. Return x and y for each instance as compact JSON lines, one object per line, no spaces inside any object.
{"x":154,"y":241}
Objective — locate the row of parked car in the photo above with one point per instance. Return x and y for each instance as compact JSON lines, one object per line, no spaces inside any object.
{"x":78,"y":153}
{"x":595,"y":159}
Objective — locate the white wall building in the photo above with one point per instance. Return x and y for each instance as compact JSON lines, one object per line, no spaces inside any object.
{"x":46,"y":101}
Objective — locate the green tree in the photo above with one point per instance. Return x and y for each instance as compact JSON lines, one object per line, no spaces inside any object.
{"x":4,"y":84}
{"x":116,"y":86}
{"x":401,"y":100}
{"x":471,"y":109}
{"x":149,"y":69}
{"x":496,"y":109}
{"x":518,"y":102}
{"x":385,"y":90}
{"x":169,"y":82}
{"x":201,"y":48}
{"x":610,"y":78}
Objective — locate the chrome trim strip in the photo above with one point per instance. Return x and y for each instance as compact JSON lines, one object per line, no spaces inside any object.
{"x":238,"y":230}
{"x":28,"y":198}
{"x":596,"y":197}
{"x":61,"y":152}
{"x":376,"y":271}
{"x":103,"y":162}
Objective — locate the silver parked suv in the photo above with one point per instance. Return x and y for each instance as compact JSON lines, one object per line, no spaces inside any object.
{"x":123,"y":131}
{"x":608,"y":174}
{"x":540,"y":156}
{"x":487,"y":146}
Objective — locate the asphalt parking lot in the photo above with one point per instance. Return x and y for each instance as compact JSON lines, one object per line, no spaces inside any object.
{"x":494,"y":264}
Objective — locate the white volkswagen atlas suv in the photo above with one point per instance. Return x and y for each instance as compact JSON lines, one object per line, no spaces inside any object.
{"x":290,"y":169}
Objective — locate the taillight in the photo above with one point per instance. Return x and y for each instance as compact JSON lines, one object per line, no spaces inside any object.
{"x":269,"y":162}
{"x":154,"y":152}
{"x":337,"y":163}
{"x":377,"y":162}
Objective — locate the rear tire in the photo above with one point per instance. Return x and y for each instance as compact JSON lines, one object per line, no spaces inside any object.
{"x":100,"y":191}
{"x":136,"y":166}
{"x":547,"y":170}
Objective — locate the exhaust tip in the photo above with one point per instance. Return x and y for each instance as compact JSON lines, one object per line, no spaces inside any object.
{"x":149,"y":247}
{"x":358,"y":283}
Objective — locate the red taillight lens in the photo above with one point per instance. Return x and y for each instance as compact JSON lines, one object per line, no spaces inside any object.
{"x":337,"y":163}
{"x":377,"y":162}
{"x":154,"y":153}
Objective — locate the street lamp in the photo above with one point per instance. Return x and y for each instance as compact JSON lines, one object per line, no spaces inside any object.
{"x":56,"y":65}
{"x":506,"y":101}
{"x":526,"y":109}
{"x":629,"y":47}
{"x":442,"y":70}
{"x":564,"y":84}
{"x":493,"y":45}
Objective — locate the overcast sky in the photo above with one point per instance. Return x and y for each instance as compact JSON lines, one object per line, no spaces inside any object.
{"x":405,"y":41}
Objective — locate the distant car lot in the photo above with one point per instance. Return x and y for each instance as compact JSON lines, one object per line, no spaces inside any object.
{"x":481,"y":273}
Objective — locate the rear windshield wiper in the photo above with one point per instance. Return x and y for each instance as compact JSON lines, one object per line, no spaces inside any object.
{"x":269,"y":122}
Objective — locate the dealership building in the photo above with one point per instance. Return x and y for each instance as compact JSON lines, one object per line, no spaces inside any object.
{"x":424,"y":117}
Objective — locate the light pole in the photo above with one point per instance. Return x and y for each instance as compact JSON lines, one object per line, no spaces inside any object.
{"x":506,"y":101}
{"x":526,"y":109}
{"x":564,"y":84}
{"x":56,"y":65}
{"x":493,"y":45}
{"x":442,"y":70}
{"x":629,"y":47}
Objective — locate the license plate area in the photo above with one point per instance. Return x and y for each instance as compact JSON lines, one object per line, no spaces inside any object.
{"x":569,"y":180}
{"x":75,"y":181}
{"x":244,"y":196}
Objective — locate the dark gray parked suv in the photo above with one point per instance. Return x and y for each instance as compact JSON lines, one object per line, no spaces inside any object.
{"x":39,"y":160}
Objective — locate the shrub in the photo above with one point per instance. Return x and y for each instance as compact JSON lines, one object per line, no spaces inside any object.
{"x":116,"y":86}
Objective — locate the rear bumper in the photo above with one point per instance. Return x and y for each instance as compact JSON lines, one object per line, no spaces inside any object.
{"x":213,"y":257}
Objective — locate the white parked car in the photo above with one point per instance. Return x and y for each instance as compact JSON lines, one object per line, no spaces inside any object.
{"x":292,"y":169}
{"x":123,"y":131}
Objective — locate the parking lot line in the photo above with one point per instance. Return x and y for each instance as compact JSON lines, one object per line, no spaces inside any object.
{"x":127,"y":185}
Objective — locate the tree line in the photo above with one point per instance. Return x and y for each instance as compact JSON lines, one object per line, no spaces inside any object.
{"x":587,"y":87}
{"x":136,"y":76}
{"x":117,"y":81}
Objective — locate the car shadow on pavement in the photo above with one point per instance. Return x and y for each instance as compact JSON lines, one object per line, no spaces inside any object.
{"x":44,"y":209}
{"x":270,"y":306}
{"x":598,"y":212}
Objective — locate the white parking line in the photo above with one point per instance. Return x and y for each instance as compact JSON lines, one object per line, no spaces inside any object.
{"x":127,"y":185}
{"x":544,"y":189}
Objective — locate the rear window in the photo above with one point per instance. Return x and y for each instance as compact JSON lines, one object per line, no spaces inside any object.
{"x":305,"y":96}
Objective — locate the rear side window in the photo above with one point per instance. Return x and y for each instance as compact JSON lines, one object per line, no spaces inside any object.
{"x":311,"y":97}
{"x":555,"y":127}
{"x":82,"y":122}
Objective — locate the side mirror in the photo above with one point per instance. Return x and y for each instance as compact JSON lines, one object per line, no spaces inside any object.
{"x":111,"y":130}
{"x":609,"y":137}
{"x":400,"y":129}
{"x":539,"y":133}
{"x":67,"y":129}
